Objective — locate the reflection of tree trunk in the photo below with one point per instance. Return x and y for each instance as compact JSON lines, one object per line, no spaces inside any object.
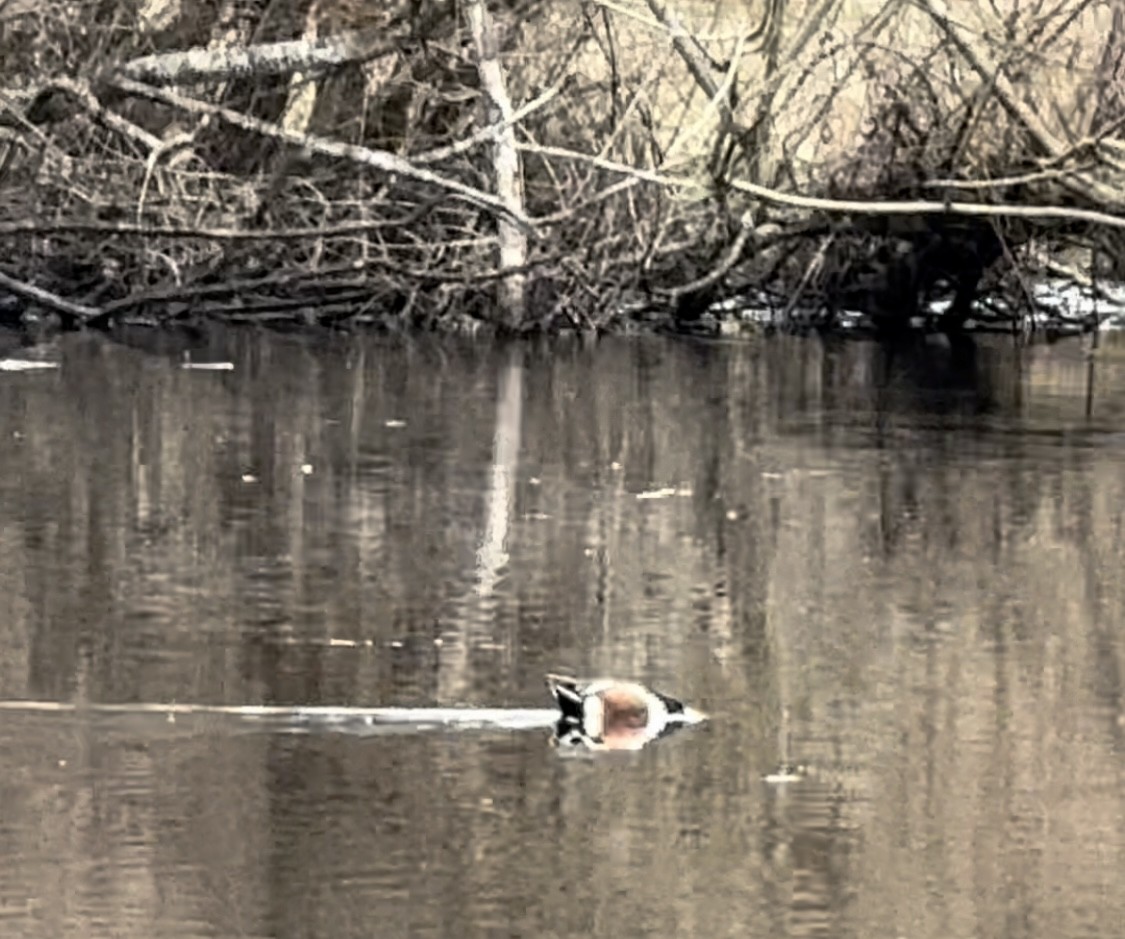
{"x":493,"y":554}
{"x":474,"y":618}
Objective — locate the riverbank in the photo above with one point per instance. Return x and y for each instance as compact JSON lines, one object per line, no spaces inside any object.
{"x":531,"y":168}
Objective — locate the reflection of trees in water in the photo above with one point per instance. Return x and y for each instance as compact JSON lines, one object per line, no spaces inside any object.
{"x":935,"y":374}
{"x":934,"y":598}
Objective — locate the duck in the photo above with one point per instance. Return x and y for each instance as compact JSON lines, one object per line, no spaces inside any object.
{"x":609,"y":714}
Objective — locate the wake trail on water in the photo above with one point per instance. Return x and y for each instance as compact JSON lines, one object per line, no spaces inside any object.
{"x":302,"y":719}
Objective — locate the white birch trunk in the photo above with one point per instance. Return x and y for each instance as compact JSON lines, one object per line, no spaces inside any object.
{"x":229,"y":59}
{"x":506,"y":162}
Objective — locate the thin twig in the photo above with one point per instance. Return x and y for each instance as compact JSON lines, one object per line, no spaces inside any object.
{"x":489,"y":133}
{"x":85,"y":95}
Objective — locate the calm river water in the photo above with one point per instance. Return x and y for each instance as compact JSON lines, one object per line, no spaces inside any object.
{"x":902,"y":572}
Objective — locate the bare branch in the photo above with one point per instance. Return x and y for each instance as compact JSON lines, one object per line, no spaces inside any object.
{"x":844,"y":206}
{"x":83,"y":93}
{"x":275,"y":58}
{"x":378,"y":159}
{"x":47,"y":299}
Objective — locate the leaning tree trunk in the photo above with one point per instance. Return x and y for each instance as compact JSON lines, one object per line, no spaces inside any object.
{"x":1111,"y":73}
{"x":505,"y":163}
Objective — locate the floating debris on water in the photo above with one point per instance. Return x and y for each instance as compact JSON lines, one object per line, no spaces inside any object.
{"x":666,"y":492}
{"x":26,"y":365}
{"x":208,"y":366}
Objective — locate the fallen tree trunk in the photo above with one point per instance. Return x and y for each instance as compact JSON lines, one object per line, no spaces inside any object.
{"x":254,"y":61}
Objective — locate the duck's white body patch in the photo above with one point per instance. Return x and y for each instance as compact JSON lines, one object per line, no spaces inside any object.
{"x":593,"y":707}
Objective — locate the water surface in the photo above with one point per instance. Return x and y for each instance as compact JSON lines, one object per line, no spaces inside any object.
{"x":903,"y":571}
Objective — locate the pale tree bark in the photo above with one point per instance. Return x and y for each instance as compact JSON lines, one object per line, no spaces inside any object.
{"x":1109,"y":111}
{"x":492,"y":555}
{"x":1111,"y":74}
{"x":227,"y":61}
{"x":505,"y":160}
{"x":301,"y":103}
{"x":155,"y":15}
{"x":474,"y":612}
{"x":764,"y":159}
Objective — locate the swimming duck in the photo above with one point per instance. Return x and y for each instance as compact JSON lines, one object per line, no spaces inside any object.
{"x":607,"y":714}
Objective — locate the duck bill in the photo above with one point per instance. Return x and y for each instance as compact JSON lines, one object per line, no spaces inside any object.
{"x":691,"y":716}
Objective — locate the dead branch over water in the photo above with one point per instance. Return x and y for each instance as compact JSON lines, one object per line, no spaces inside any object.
{"x":529,"y":165}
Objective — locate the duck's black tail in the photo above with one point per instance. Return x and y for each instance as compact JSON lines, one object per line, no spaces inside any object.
{"x":675,"y":708}
{"x":567,"y":696}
